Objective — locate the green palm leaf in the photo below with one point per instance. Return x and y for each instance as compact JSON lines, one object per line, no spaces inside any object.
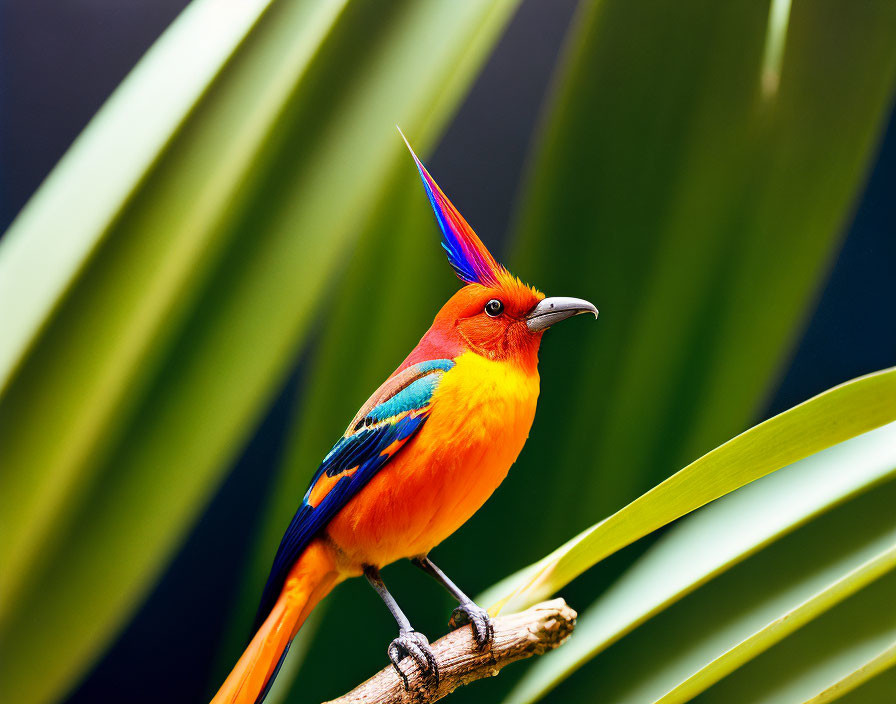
{"x":831,"y":417}
{"x":786,"y":623}
{"x":714,"y":118}
{"x":819,"y":657}
{"x":878,"y":665}
{"x":715,"y":539}
{"x":151,"y":350}
{"x":699,"y":213}
{"x":745,"y":614}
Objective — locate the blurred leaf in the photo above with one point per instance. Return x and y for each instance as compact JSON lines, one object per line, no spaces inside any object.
{"x":783,"y":625}
{"x":113,"y":154}
{"x":713,"y":540}
{"x":820,"y":655}
{"x":699,"y":214}
{"x":836,"y":415}
{"x":698,"y":210}
{"x":169,"y":326}
{"x":878,"y":690}
{"x":96,"y":321}
{"x":742,"y":614}
{"x":868,"y":670}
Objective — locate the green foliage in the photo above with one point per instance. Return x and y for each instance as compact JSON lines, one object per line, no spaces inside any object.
{"x":831,"y":417}
{"x":698,"y":213}
{"x":694,"y":168}
{"x":881,"y":687}
{"x":699,"y":217}
{"x":821,"y":654}
{"x":144,"y":352}
{"x":759,"y":616}
{"x":727,"y":533}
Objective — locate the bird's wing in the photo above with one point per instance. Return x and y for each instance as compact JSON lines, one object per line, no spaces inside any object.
{"x":376,"y":434}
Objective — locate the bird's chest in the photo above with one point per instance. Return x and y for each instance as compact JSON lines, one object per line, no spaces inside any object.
{"x":481,"y":415}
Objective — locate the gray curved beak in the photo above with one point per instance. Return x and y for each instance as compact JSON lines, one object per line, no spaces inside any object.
{"x":553,"y":310}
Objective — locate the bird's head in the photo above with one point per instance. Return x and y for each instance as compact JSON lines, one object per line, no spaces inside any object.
{"x":495,"y":314}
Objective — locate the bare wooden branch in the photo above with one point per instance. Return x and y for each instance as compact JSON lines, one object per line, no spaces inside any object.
{"x":517,"y":636}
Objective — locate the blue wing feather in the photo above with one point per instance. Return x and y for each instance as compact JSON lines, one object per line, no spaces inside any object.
{"x":415,"y":395}
{"x":394,"y":418}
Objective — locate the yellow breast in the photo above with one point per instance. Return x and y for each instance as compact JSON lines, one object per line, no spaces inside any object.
{"x":484,"y":406}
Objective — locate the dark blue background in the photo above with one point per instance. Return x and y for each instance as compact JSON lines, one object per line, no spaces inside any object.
{"x":59,"y":63}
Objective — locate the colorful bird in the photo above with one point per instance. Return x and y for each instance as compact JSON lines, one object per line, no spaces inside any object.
{"x":419,"y":459}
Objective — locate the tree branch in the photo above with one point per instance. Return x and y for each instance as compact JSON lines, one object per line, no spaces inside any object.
{"x":517,"y":636}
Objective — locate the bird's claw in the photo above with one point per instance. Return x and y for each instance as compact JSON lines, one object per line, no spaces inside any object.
{"x":414,"y":645}
{"x":483,"y":630}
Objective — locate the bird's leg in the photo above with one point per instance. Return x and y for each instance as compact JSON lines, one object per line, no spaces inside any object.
{"x":409,"y":642}
{"x":468,"y":611}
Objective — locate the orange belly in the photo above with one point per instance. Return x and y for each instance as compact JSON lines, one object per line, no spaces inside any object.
{"x":480,"y":419}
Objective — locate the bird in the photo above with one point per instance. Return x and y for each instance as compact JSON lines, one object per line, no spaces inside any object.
{"x":419,"y":458}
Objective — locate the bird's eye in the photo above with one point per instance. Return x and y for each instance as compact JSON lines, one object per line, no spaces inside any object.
{"x":494,"y":308}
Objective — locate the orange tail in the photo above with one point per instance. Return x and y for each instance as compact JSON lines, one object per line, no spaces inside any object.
{"x":310,"y":580}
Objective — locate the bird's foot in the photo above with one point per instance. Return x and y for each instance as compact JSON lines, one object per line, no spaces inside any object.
{"x":483,"y":630}
{"x":414,"y":645}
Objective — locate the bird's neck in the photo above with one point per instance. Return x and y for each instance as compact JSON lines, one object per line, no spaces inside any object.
{"x":441,"y":343}
{"x":437,"y":343}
